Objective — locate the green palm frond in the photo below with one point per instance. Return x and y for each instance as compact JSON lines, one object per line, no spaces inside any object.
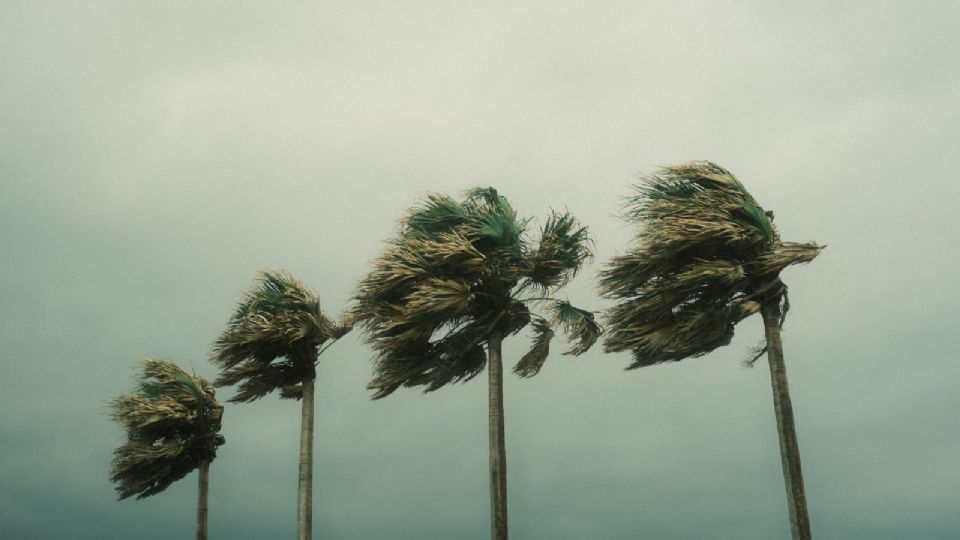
{"x":172,"y":422}
{"x":272,"y":338}
{"x":437,"y":214}
{"x":578,"y":325}
{"x":564,"y":247}
{"x":454,"y":274}
{"x":499,"y":230}
{"x":493,"y":225}
{"x":706,"y":253}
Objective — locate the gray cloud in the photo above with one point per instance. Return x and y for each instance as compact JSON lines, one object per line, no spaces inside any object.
{"x":153,"y":158}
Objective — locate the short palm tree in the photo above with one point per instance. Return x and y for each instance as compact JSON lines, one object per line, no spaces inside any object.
{"x":172,"y":423}
{"x":706,"y":257}
{"x":458,"y":278}
{"x":272,"y":342}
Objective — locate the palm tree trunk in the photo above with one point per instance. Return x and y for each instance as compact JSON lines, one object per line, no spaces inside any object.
{"x":498,"y":450}
{"x":789,"y":448}
{"x":202,"y":486}
{"x":305,"y":487}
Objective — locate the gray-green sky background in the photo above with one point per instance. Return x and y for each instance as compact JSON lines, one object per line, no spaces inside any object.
{"x":154,"y":156}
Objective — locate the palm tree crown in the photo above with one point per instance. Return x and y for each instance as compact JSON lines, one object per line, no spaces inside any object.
{"x":272,"y":338}
{"x":458,"y":271}
{"x":706,"y":257}
{"x":172,"y":423}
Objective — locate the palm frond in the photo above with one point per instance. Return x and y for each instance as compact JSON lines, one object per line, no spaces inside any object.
{"x":564,"y":247}
{"x":578,"y":325}
{"x":784,"y":254}
{"x":691,"y":330}
{"x":454,"y":355}
{"x":344,"y":325}
{"x":294,"y":391}
{"x":493,"y":225}
{"x":533,"y":361}
{"x":439,"y":297}
{"x":438,"y":213}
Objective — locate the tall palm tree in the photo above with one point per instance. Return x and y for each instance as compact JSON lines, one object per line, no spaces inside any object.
{"x":459,"y":277}
{"x":706,"y":257}
{"x":272,"y":342}
{"x":172,"y":423}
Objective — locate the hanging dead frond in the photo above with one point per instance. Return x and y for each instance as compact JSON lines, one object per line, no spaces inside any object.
{"x":578,"y":324}
{"x":530,"y":364}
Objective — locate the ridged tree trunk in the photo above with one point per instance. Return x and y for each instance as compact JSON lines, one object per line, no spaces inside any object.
{"x":498,"y":450}
{"x":202,"y":485}
{"x":789,"y":448}
{"x":305,"y":486}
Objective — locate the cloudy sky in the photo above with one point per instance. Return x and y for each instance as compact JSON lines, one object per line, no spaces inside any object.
{"x":154,"y":156}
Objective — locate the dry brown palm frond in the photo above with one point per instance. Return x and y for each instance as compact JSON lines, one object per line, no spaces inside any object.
{"x":449,"y":252}
{"x":435,"y":296}
{"x":530,"y":364}
{"x":255,"y":379}
{"x":171,"y":421}
{"x":705,"y":255}
{"x":783,"y":255}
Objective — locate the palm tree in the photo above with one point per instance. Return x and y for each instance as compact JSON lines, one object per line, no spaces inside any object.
{"x":172,"y":423}
{"x":272,"y":342}
{"x":706,"y":257}
{"x":458,"y":278}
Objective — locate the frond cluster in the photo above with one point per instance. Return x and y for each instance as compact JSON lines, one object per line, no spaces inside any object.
{"x":705,"y":256}
{"x":271,"y":340}
{"x":172,"y":423}
{"x":455,"y":272}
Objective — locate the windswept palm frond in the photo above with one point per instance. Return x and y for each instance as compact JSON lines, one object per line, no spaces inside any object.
{"x":437,"y":214}
{"x":578,"y":325}
{"x":783,"y":255}
{"x":272,"y":338}
{"x":172,"y":423}
{"x":495,"y":229}
{"x":564,"y":247}
{"x":530,"y":364}
{"x":705,"y":254}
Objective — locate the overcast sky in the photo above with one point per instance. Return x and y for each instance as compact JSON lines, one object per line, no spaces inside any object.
{"x":154,"y":156}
